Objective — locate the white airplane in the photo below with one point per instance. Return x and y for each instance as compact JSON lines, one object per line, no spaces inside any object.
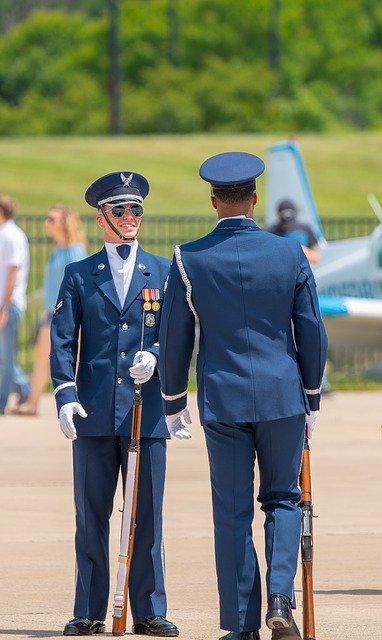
{"x":349,"y":273}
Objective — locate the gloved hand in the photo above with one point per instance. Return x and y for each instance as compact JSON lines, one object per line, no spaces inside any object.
{"x":176,"y":424}
{"x":144,"y":364}
{"x":310,"y":422}
{"x":65,"y":416}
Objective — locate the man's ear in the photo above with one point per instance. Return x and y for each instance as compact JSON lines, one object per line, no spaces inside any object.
{"x":255,"y":198}
{"x":213,"y":202}
{"x":99,"y":220}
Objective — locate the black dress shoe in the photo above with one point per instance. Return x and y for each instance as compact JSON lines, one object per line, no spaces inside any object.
{"x":279,"y":614}
{"x":83,"y":627}
{"x":242,"y":635}
{"x":157,"y":626}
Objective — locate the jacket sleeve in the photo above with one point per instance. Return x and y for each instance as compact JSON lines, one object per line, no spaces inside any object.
{"x":309,"y":333}
{"x":64,"y":342}
{"x":176,"y":340}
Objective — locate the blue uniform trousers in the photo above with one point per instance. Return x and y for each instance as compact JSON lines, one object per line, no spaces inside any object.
{"x":97,"y":461}
{"x":232,"y":451}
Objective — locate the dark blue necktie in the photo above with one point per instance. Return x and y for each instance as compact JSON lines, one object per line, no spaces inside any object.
{"x":123,"y":250}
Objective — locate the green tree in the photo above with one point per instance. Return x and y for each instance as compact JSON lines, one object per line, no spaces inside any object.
{"x":205,"y":65}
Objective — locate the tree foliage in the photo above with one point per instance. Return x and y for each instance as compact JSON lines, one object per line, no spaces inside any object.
{"x":205,"y":65}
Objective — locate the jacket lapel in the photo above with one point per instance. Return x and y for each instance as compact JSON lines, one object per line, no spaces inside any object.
{"x":103,"y":279}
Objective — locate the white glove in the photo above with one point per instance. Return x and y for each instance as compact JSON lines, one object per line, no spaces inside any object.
{"x":176,"y":424}
{"x":310,"y":422}
{"x":144,"y":364}
{"x":65,"y":416}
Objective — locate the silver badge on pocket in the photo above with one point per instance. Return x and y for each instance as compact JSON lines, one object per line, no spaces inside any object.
{"x":149,"y":319}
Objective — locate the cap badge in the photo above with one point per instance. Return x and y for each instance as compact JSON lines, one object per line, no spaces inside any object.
{"x":126,"y":181}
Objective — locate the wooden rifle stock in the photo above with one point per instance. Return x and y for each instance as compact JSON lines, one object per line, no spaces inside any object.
{"x":129,"y":506}
{"x":307,"y":544}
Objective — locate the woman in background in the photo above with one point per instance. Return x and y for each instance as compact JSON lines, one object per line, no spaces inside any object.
{"x":64,"y":226}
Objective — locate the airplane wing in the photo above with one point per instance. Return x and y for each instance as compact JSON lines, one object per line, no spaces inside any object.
{"x":352,"y":322}
{"x":286,"y":178}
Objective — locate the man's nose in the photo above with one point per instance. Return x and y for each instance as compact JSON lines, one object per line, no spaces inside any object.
{"x":128,"y":214}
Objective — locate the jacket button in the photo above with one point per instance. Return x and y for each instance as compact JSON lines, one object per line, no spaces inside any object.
{"x":122,"y":354}
{"x":125,"y":327}
{"x":119,"y":380}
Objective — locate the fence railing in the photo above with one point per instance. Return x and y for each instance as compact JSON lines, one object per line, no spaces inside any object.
{"x":158,"y":235}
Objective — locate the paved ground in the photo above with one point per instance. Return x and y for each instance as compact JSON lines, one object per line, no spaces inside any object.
{"x":36,"y":533}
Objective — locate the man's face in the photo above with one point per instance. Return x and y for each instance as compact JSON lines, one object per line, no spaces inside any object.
{"x":287,"y":215}
{"x":128,"y":225}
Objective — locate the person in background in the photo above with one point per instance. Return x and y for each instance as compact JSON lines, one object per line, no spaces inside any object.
{"x":261,"y":356}
{"x":14,"y":270}
{"x":289,"y":227}
{"x":64,"y":227}
{"x":113,"y":301}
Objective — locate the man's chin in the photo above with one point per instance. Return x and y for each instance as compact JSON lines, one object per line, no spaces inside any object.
{"x":129,"y":235}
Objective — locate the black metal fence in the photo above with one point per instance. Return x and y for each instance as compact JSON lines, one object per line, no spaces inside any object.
{"x":158,"y":235}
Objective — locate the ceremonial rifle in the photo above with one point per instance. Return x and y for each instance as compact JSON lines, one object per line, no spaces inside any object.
{"x":129,"y":512}
{"x":307,"y":544}
{"x":128,"y":519}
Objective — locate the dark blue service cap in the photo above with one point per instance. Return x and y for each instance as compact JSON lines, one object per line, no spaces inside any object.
{"x":232,"y":169}
{"x":120,"y":186}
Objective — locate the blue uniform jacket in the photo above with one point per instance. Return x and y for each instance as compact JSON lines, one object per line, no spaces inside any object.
{"x":262,"y":344}
{"x":88,"y":316}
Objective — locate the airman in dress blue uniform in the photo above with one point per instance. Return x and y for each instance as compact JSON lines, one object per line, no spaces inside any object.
{"x":109,"y":308}
{"x":262,"y":351}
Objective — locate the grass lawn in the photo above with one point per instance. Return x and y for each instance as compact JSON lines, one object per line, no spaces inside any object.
{"x":40,"y":171}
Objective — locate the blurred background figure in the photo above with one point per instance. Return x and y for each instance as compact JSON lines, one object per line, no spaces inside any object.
{"x":63,"y":225}
{"x":289,"y":227}
{"x":14,"y":269}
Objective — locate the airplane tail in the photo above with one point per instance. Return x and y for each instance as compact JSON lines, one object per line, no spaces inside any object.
{"x":287,"y":179}
{"x":375,"y":205}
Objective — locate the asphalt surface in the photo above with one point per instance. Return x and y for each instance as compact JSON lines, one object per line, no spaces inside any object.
{"x":37,"y":527}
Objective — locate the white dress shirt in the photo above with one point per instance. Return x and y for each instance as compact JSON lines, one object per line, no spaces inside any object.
{"x":239,"y":217}
{"x":14,"y":252}
{"x":121,"y":270}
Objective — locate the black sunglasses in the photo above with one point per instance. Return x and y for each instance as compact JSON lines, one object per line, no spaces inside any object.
{"x":119,"y":210}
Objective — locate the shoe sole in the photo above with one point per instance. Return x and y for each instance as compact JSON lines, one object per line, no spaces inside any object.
{"x":277,"y":622}
{"x":143,"y":631}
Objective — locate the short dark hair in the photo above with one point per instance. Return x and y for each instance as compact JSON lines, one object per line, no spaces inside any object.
{"x":234,"y":195}
{"x":8,"y":206}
